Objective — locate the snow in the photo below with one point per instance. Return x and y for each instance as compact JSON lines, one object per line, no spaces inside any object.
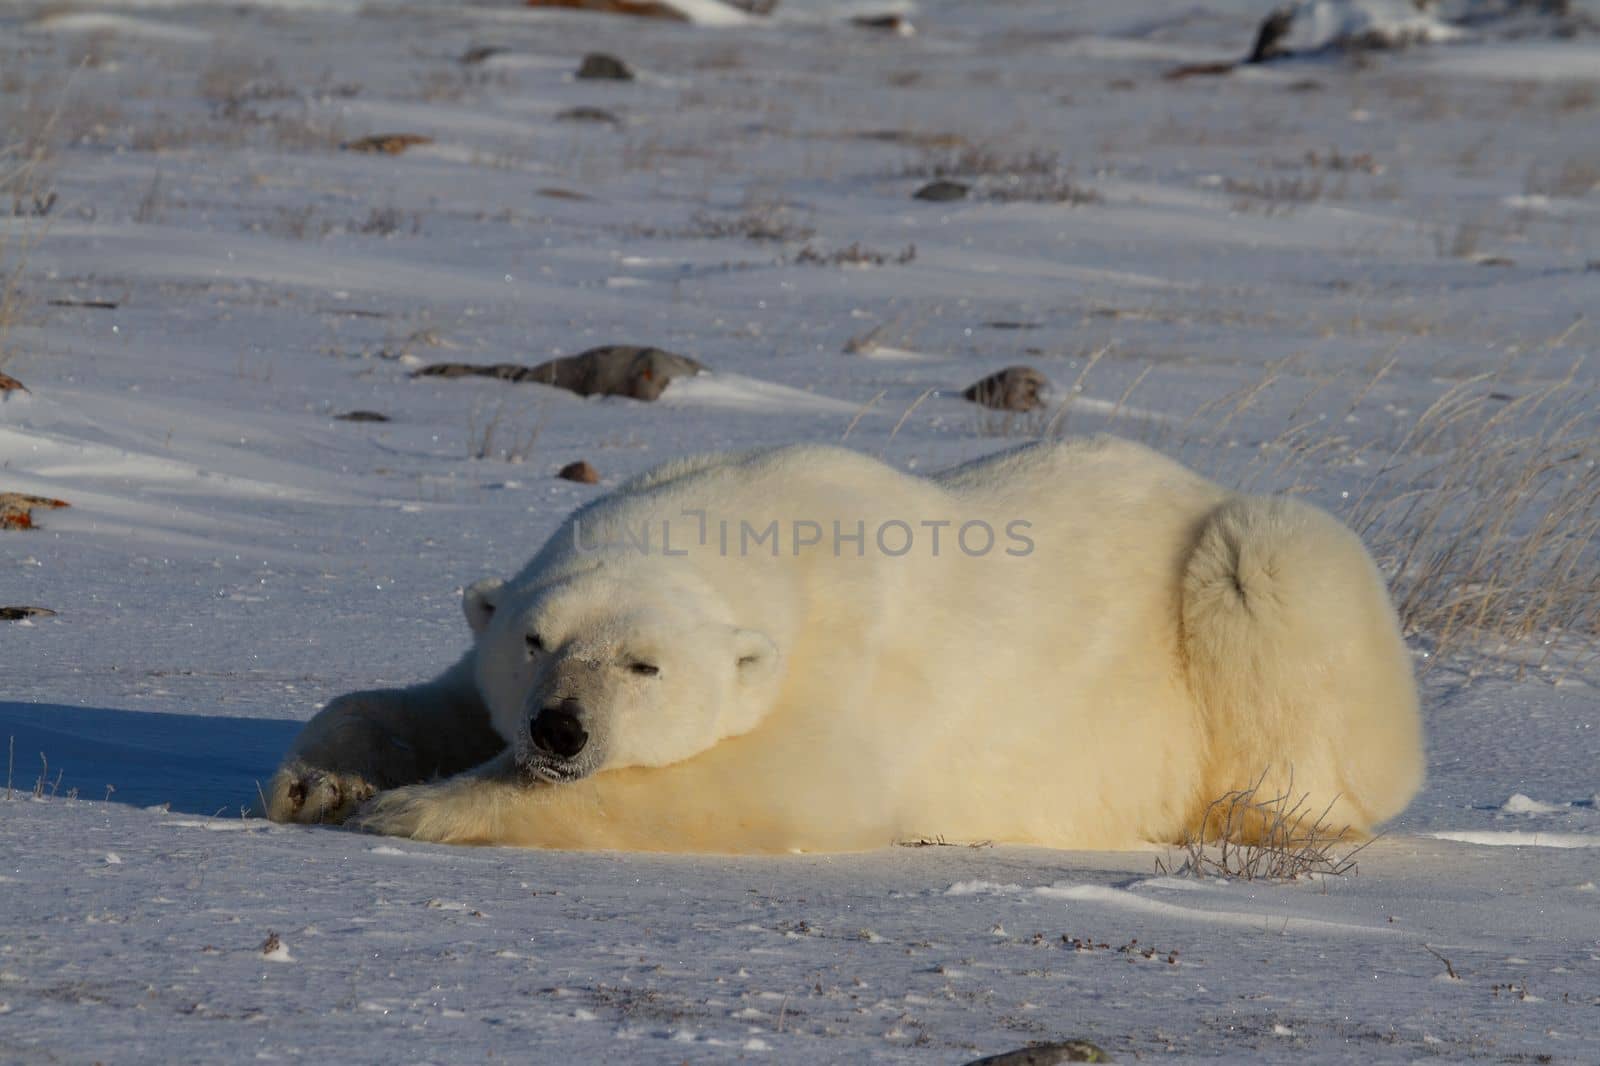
{"x":235,"y":555}
{"x":1520,"y":804}
{"x":124,"y":25}
{"x":1336,"y":23}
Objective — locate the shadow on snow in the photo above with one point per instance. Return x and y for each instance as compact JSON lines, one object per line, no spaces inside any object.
{"x":199,"y":764}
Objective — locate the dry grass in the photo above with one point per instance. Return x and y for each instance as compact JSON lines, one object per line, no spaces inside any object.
{"x":495,"y":433}
{"x":1027,"y":175}
{"x":1483,"y":513}
{"x":759,"y":221}
{"x":21,"y":183}
{"x":1055,"y":188}
{"x":10,"y":296}
{"x":854,"y":254}
{"x":1487,"y":516}
{"x":1462,"y":240}
{"x":1572,"y":178}
{"x":1247,"y":837}
{"x":249,"y":104}
{"x":1273,"y":196}
{"x":972,"y":161}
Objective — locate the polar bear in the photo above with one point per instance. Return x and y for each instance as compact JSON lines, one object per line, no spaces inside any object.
{"x":1074,"y":644}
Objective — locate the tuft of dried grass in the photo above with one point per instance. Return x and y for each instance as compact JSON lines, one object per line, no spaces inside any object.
{"x":757,"y":222}
{"x":1273,"y":196}
{"x":1246,"y":837}
{"x":10,"y":294}
{"x":971,"y":161}
{"x":502,"y":435}
{"x":1486,"y":515}
{"x":854,"y":254}
{"x":1573,"y":178}
{"x":1483,"y":515}
{"x":1058,"y":188}
{"x":24,"y":188}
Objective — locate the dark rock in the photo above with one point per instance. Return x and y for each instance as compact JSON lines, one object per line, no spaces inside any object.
{"x":588,"y":114}
{"x":638,"y":8}
{"x":612,"y":370}
{"x":94,"y":305}
{"x":580,"y":472}
{"x":1047,"y":1055}
{"x":1198,"y":70}
{"x":386,"y":143}
{"x":362,"y":416}
{"x":942,"y":190}
{"x":1016,"y":388}
{"x":890,"y":23}
{"x":1269,"y":37}
{"x":480,"y":53}
{"x":601,"y":67}
{"x":17,"y":614}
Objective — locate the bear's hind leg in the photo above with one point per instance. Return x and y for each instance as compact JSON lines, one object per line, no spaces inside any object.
{"x":1295,"y":658}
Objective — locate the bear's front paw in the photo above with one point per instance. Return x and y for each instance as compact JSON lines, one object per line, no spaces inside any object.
{"x":309,"y":795}
{"x":400,"y":812}
{"x":459,"y":811}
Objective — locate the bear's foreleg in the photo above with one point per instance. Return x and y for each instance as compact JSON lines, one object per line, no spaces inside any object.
{"x":681,"y":808}
{"x":470,"y":808}
{"x":363,"y":743}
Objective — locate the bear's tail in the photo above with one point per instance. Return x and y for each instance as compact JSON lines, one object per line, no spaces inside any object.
{"x":1295,"y":658}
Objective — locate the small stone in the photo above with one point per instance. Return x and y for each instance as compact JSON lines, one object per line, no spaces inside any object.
{"x":941,"y":190}
{"x":649,"y":9}
{"x":1016,"y":388}
{"x":386,"y":143}
{"x":588,"y":114}
{"x":891,"y":23}
{"x":599,"y":66}
{"x":19,"y":614}
{"x":1047,"y":1055}
{"x":362,"y":416}
{"x":1198,"y":70}
{"x":581,"y":472}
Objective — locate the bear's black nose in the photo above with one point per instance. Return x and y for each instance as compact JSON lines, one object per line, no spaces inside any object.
{"x":557,"y":731}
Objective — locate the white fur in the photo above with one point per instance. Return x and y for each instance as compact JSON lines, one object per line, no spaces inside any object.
{"x":1163,"y":642}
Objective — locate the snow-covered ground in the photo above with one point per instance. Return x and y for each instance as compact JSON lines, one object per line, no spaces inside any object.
{"x":1270,"y":273}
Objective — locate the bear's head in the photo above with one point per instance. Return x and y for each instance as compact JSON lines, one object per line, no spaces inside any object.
{"x":602,"y":670}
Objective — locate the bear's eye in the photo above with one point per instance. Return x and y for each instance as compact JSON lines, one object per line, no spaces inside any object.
{"x":644,"y":669}
{"x":535,"y":642}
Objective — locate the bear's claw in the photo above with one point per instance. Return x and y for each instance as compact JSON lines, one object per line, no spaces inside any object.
{"x":397,"y":813}
{"x":309,"y":795}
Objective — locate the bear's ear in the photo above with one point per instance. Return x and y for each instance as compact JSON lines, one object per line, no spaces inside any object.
{"x":757,"y":656}
{"x":478,"y":601}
